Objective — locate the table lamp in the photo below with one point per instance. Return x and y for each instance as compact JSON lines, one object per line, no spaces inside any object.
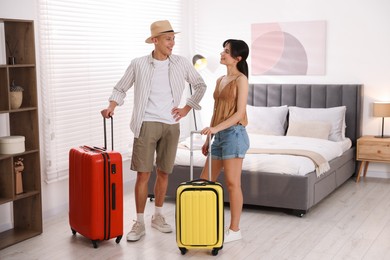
{"x":199,"y":62}
{"x":382,"y":109}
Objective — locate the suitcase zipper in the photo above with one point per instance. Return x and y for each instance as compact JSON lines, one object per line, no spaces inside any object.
{"x":107,"y":192}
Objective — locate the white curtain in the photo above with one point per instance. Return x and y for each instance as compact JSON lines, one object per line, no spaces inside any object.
{"x":85,"y":47}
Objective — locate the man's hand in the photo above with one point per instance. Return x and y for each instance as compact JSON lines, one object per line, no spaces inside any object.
{"x":107,"y":113}
{"x":179,"y":113}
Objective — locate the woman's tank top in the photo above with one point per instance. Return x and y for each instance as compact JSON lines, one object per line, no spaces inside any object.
{"x":225,"y":103}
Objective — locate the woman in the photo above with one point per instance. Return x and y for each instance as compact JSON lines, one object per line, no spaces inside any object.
{"x":228,"y":123}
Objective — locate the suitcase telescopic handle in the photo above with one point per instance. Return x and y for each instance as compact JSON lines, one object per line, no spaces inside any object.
{"x":105,"y":133}
{"x":192,"y":155}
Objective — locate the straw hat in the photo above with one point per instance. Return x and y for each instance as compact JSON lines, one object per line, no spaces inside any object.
{"x":159,"y":28}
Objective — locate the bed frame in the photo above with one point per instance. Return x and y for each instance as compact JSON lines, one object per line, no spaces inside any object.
{"x":295,"y":193}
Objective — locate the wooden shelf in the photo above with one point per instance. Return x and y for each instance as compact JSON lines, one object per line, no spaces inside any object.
{"x":16,"y":235}
{"x":26,"y":206}
{"x":27,"y":221}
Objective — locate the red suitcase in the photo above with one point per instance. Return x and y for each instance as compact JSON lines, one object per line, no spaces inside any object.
{"x":96,"y":192}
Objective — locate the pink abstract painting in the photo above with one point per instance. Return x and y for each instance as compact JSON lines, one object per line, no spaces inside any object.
{"x":291,"y":48}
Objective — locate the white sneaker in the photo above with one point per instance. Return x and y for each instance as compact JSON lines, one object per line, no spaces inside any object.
{"x":231,"y":235}
{"x":137,"y":231}
{"x":158,"y":222}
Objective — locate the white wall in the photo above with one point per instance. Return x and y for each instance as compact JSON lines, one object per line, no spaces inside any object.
{"x":357,"y":47}
{"x":18,"y":9}
{"x":357,"y":52}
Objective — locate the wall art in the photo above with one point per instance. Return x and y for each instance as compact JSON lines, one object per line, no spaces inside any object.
{"x":288,"y":48}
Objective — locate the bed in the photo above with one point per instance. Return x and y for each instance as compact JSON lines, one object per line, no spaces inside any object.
{"x":296,"y":193}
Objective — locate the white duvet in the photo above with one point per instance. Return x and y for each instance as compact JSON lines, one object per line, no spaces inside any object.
{"x":274,"y":163}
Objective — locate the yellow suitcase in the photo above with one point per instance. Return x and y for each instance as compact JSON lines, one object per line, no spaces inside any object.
{"x":199,"y":212}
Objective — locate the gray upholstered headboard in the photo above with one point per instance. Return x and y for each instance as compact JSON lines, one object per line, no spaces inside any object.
{"x":313,"y":96}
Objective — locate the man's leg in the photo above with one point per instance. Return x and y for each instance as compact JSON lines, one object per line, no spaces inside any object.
{"x":141,"y":191}
{"x":141,"y":194}
{"x":160,"y":190}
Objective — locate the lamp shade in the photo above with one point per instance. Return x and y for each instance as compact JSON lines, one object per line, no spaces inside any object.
{"x":199,"y":62}
{"x":381,"y":109}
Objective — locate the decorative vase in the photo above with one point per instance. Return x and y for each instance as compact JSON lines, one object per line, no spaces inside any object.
{"x":11,"y":60}
{"x":16,"y":99}
{"x":16,"y":95}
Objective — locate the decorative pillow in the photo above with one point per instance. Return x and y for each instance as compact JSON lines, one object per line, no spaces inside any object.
{"x":314,"y":129}
{"x":266,"y":120}
{"x":334,"y":115}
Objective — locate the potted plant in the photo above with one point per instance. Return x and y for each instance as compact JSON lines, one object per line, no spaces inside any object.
{"x":16,"y":95}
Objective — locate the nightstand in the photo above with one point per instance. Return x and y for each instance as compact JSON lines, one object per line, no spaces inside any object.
{"x":371,"y":149}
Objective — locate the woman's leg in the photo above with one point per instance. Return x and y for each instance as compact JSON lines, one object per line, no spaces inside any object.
{"x":232,"y":170}
{"x":216,"y":166}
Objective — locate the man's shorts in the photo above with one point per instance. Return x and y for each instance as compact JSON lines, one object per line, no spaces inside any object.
{"x":155,"y":138}
{"x":232,"y":142}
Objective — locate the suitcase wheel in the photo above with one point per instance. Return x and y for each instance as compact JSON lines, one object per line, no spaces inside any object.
{"x":73,"y":231}
{"x":94,"y":243}
{"x":183,"y":250}
{"x":214,"y":252}
{"x":118,"y":239}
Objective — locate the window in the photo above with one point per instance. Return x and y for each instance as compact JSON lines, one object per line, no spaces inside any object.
{"x":85,"y":47}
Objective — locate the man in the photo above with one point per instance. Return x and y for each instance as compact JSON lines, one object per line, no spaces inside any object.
{"x":159,"y":81}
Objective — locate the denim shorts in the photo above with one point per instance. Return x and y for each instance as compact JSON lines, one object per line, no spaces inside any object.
{"x":232,"y":142}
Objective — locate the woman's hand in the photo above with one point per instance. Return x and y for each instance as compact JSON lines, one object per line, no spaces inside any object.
{"x":209,"y":131}
{"x":205,"y":148}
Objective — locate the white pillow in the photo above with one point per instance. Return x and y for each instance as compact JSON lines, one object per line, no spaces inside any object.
{"x":313,"y":129}
{"x":266,"y":120}
{"x":333,"y":115}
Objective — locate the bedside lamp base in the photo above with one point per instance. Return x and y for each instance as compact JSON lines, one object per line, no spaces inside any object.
{"x":383,"y":126}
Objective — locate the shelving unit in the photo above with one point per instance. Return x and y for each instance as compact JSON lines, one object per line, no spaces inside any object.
{"x":27,"y":206}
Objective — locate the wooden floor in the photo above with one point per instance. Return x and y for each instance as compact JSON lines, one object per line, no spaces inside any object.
{"x":351,"y":223}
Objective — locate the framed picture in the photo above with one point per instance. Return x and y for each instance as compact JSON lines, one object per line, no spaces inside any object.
{"x":290,"y":48}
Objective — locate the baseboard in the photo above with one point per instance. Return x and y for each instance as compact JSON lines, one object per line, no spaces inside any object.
{"x":55,"y":212}
{"x":5,"y":226}
{"x":378,"y":174}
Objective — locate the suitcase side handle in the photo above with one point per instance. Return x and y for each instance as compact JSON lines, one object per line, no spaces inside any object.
{"x":105,"y":133}
{"x":113,"y":196}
